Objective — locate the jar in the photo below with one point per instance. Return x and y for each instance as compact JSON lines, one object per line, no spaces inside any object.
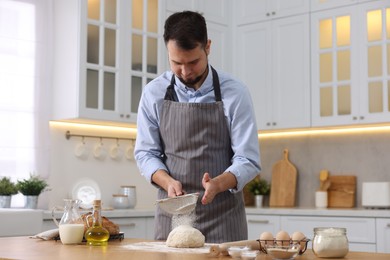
{"x":120,"y":201}
{"x":130,"y":191}
{"x":330,"y":242}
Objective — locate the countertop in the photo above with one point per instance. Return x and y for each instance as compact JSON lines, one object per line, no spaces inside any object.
{"x":28,"y":248}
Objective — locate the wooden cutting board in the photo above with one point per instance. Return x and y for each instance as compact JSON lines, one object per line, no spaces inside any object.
{"x":342,"y":191}
{"x":283,"y":183}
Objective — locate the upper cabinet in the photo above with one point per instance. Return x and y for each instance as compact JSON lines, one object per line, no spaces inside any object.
{"x":273,"y":61}
{"x":350,"y":65}
{"x":252,"y":11}
{"x":218,"y":18}
{"x":104,"y":52}
{"x":316,"y":5}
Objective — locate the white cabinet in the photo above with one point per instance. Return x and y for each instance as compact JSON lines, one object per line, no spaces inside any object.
{"x":383,"y":235}
{"x":251,"y":11}
{"x":219,"y":28}
{"x":273,"y":61}
{"x":100,"y":64}
{"x":316,"y":5}
{"x":136,"y":227}
{"x":360,"y":231}
{"x":258,"y":224}
{"x":349,"y":75}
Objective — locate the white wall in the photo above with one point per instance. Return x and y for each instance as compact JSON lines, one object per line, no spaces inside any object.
{"x":66,"y":169}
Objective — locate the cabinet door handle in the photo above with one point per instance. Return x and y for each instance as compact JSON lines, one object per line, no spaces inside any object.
{"x":268,"y":123}
{"x":258,"y":221}
{"x":354,"y":118}
{"x":361,"y":117}
{"x":273,"y":123}
{"x":273,"y":13}
{"x":388,"y":225}
{"x":127,"y":116}
{"x":127,"y":225}
{"x":121,"y":115}
{"x":268,"y":14}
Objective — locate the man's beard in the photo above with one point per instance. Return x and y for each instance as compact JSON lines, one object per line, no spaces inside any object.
{"x":191,"y":83}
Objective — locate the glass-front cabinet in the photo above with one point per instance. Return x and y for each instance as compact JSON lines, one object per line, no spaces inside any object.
{"x":105,"y":51}
{"x":350,"y":61}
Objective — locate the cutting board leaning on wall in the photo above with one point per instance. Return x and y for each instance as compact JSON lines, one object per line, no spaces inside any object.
{"x":283,"y":183}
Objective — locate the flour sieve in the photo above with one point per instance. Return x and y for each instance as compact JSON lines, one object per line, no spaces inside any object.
{"x":179,"y":205}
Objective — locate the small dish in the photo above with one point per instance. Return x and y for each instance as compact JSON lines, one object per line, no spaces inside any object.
{"x":236,"y":251}
{"x":249,"y":255}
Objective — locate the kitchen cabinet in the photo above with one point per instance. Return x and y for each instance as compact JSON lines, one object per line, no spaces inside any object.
{"x":360,"y":231}
{"x":136,"y":227}
{"x":273,"y":61}
{"x":104,"y":52}
{"x":219,"y":28}
{"x":258,"y":224}
{"x":317,"y":5}
{"x":350,"y":65}
{"x":252,"y":11}
{"x":383,"y":235}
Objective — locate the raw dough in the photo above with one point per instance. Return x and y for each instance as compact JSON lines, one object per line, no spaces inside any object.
{"x":185,"y":236}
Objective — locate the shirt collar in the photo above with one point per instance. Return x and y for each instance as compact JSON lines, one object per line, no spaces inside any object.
{"x":206,"y":86}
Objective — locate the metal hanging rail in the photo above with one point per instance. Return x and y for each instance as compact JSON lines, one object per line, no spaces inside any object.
{"x":68,"y":135}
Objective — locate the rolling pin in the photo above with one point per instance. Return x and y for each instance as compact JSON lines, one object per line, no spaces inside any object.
{"x":222,"y":249}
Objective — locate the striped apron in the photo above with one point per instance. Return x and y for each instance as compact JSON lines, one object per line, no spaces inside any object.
{"x":196,"y":140}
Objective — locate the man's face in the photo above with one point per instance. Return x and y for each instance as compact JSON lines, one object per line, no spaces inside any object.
{"x":190,"y":66}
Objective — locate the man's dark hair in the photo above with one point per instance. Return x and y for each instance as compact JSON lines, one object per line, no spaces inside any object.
{"x":187,"y":28}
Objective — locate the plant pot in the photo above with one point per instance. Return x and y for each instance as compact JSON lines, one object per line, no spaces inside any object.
{"x":258,"y":201}
{"x":5,"y":201}
{"x":30,"y":202}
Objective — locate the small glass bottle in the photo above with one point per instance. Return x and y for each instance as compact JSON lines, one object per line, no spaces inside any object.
{"x":330,"y":242}
{"x":96,"y":235}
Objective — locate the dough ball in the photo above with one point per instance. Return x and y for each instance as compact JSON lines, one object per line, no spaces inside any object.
{"x":185,"y":236}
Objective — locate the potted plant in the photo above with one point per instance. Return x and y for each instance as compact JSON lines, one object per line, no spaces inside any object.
{"x":259,"y":188}
{"x":31,"y":188}
{"x":7,"y":189}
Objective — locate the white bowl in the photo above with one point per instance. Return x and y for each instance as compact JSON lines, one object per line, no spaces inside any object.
{"x":235,"y":251}
{"x":120,"y":201}
{"x":283,"y":252}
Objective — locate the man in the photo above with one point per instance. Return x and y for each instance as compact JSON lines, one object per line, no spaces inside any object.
{"x":197,"y":133}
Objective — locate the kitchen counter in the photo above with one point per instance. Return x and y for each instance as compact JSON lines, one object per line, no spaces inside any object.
{"x":331,"y":212}
{"x":28,"y":248}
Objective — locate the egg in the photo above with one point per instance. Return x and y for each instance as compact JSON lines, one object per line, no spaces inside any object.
{"x":299,"y":236}
{"x":266,"y":238}
{"x":282,"y":238}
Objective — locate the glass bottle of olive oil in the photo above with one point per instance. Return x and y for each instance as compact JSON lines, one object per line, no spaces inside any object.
{"x":96,"y":235}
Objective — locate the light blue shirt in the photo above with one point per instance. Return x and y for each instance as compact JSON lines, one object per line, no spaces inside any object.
{"x":238,"y":110}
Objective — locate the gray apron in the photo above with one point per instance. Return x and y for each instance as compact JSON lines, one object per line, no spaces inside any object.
{"x":196,"y":140}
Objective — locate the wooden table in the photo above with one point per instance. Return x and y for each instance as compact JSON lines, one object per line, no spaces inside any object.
{"x":28,"y":248}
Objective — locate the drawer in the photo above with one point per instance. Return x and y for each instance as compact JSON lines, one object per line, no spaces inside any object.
{"x":258,"y":224}
{"x":359,"y":230}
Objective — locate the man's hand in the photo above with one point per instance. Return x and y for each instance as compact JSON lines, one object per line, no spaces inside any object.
{"x":216,"y":185}
{"x":169,"y":184}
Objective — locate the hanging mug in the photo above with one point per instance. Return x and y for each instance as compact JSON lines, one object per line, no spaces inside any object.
{"x":99,"y":151}
{"x":81,"y":150}
{"x":116,"y":152}
{"x":130,"y":151}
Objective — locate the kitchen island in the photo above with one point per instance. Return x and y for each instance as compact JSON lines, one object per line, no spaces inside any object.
{"x":28,"y":248}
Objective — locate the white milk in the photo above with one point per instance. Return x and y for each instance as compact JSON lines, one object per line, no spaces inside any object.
{"x":71,"y":233}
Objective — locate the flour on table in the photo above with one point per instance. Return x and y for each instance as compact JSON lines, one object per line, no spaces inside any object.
{"x":162,"y":247}
{"x":185,"y":236}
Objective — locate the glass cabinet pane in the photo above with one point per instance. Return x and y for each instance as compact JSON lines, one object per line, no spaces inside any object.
{"x":326,"y":101}
{"x":388,"y":23}
{"x":374,"y":25}
{"x":94,"y":9}
{"x":109,"y":47}
{"x":344,"y":65}
{"x":92,"y":95}
{"x":326,"y":34}
{"x":375,"y":97}
{"x":109,"y":91}
{"x":326,"y":67}
{"x":344,"y":100}
{"x":375,"y":61}
{"x":343,"y":29}
{"x":110,"y":11}
{"x":136,"y":91}
{"x":152,"y":55}
{"x":152,"y":16}
{"x":137,"y":14}
{"x":136,"y":52}
{"x":93,"y":44}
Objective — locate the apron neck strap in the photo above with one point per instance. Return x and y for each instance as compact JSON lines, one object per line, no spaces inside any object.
{"x":171,"y":95}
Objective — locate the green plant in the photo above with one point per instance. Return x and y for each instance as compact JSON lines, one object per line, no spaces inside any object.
{"x":7,"y":188}
{"x":259,"y":186}
{"x":32,"y":186}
